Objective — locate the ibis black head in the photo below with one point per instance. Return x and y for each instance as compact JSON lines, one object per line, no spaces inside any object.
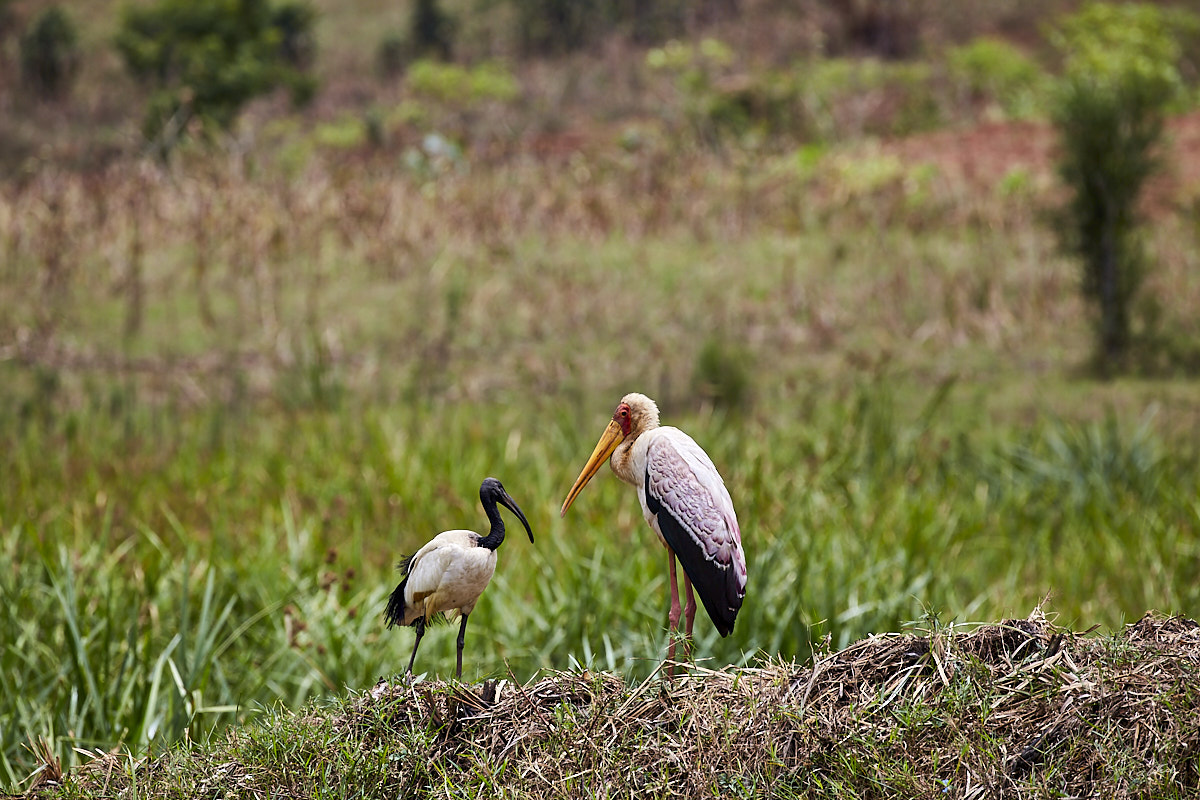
{"x":491,"y":492}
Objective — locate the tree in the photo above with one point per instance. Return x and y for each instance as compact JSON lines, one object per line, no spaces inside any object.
{"x":49,"y":53}
{"x":1121,"y":76}
{"x":431,"y":30}
{"x":554,"y":27}
{"x":205,"y":59}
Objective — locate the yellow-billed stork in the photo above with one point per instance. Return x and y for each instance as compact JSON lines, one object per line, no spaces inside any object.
{"x":450,"y":572}
{"x":686,"y":503}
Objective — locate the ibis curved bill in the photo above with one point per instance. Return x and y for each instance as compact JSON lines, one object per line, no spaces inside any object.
{"x":684,"y":501}
{"x":450,"y":572}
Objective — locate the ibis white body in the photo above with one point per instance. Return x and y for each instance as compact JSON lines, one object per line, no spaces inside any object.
{"x":447,"y":575}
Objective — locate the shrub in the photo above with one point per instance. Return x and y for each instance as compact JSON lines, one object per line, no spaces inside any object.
{"x":431,"y":30}
{"x":1121,"y":76}
{"x":49,"y":53}
{"x":295,"y":21}
{"x":722,"y":374}
{"x":648,"y":23}
{"x":715,"y":101}
{"x":554,"y":27}
{"x":886,"y":28}
{"x":453,"y":83}
{"x":206,"y":59}
{"x":8,"y":20}
{"x":851,"y":97}
{"x":391,"y":55}
{"x":995,"y":71}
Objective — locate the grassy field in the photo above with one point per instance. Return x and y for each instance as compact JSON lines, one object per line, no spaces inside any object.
{"x":201,"y":515}
{"x":234,"y":391}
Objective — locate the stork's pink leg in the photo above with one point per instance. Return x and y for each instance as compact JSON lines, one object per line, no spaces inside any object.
{"x":689,"y":613}
{"x":673,"y":616}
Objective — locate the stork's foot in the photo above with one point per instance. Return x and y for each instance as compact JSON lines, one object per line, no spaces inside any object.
{"x":687,"y":647}
{"x":683,"y":646}
{"x":679,"y":645}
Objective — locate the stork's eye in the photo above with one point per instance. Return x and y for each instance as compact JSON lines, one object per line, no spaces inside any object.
{"x":621,"y":417}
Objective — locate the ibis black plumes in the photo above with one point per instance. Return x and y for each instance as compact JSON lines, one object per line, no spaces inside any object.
{"x":450,"y":572}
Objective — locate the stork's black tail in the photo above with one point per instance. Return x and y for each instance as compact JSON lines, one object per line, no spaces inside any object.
{"x":394,"y":613}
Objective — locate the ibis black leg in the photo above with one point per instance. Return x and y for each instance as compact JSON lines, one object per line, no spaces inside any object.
{"x":462,"y":636}
{"x":420,"y":628}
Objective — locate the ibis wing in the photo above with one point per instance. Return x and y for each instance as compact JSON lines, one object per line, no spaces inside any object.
{"x":695,"y":515}
{"x":423,"y":573}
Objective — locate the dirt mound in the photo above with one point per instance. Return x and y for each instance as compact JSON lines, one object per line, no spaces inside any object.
{"x":1012,"y":709}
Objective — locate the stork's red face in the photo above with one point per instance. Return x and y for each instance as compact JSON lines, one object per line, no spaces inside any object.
{"x":623,"y":417}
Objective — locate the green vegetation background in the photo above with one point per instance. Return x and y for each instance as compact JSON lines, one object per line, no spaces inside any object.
{"x":236,"y":389}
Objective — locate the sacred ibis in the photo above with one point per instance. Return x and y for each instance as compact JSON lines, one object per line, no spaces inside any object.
{"x":450,"y":572}
{"x":686,"y":503}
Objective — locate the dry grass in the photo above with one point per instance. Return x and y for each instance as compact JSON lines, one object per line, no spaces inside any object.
{"x":1016,"y":709}
{"x":226,"y":275}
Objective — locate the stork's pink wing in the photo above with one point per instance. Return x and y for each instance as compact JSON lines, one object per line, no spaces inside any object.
{"x":695,"y":515}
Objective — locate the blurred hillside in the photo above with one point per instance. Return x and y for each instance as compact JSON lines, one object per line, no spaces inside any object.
{"x":784,"y":72}
{"x":528,"y":130}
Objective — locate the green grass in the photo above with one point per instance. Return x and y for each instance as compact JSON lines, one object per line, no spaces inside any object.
{"x":201,"y":515}
{"x":174,"y":570}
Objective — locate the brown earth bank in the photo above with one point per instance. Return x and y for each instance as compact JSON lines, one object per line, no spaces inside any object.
{"x":979,"y":157}
{"x":1021,"y":708}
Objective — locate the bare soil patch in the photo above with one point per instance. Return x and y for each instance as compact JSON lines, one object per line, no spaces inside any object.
{"x":980,"y":157}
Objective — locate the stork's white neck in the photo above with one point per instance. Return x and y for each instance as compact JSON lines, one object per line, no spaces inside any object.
{"x":628,"y":461}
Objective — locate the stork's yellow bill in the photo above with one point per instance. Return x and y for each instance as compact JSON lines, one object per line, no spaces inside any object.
{"x":609,"y":440}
